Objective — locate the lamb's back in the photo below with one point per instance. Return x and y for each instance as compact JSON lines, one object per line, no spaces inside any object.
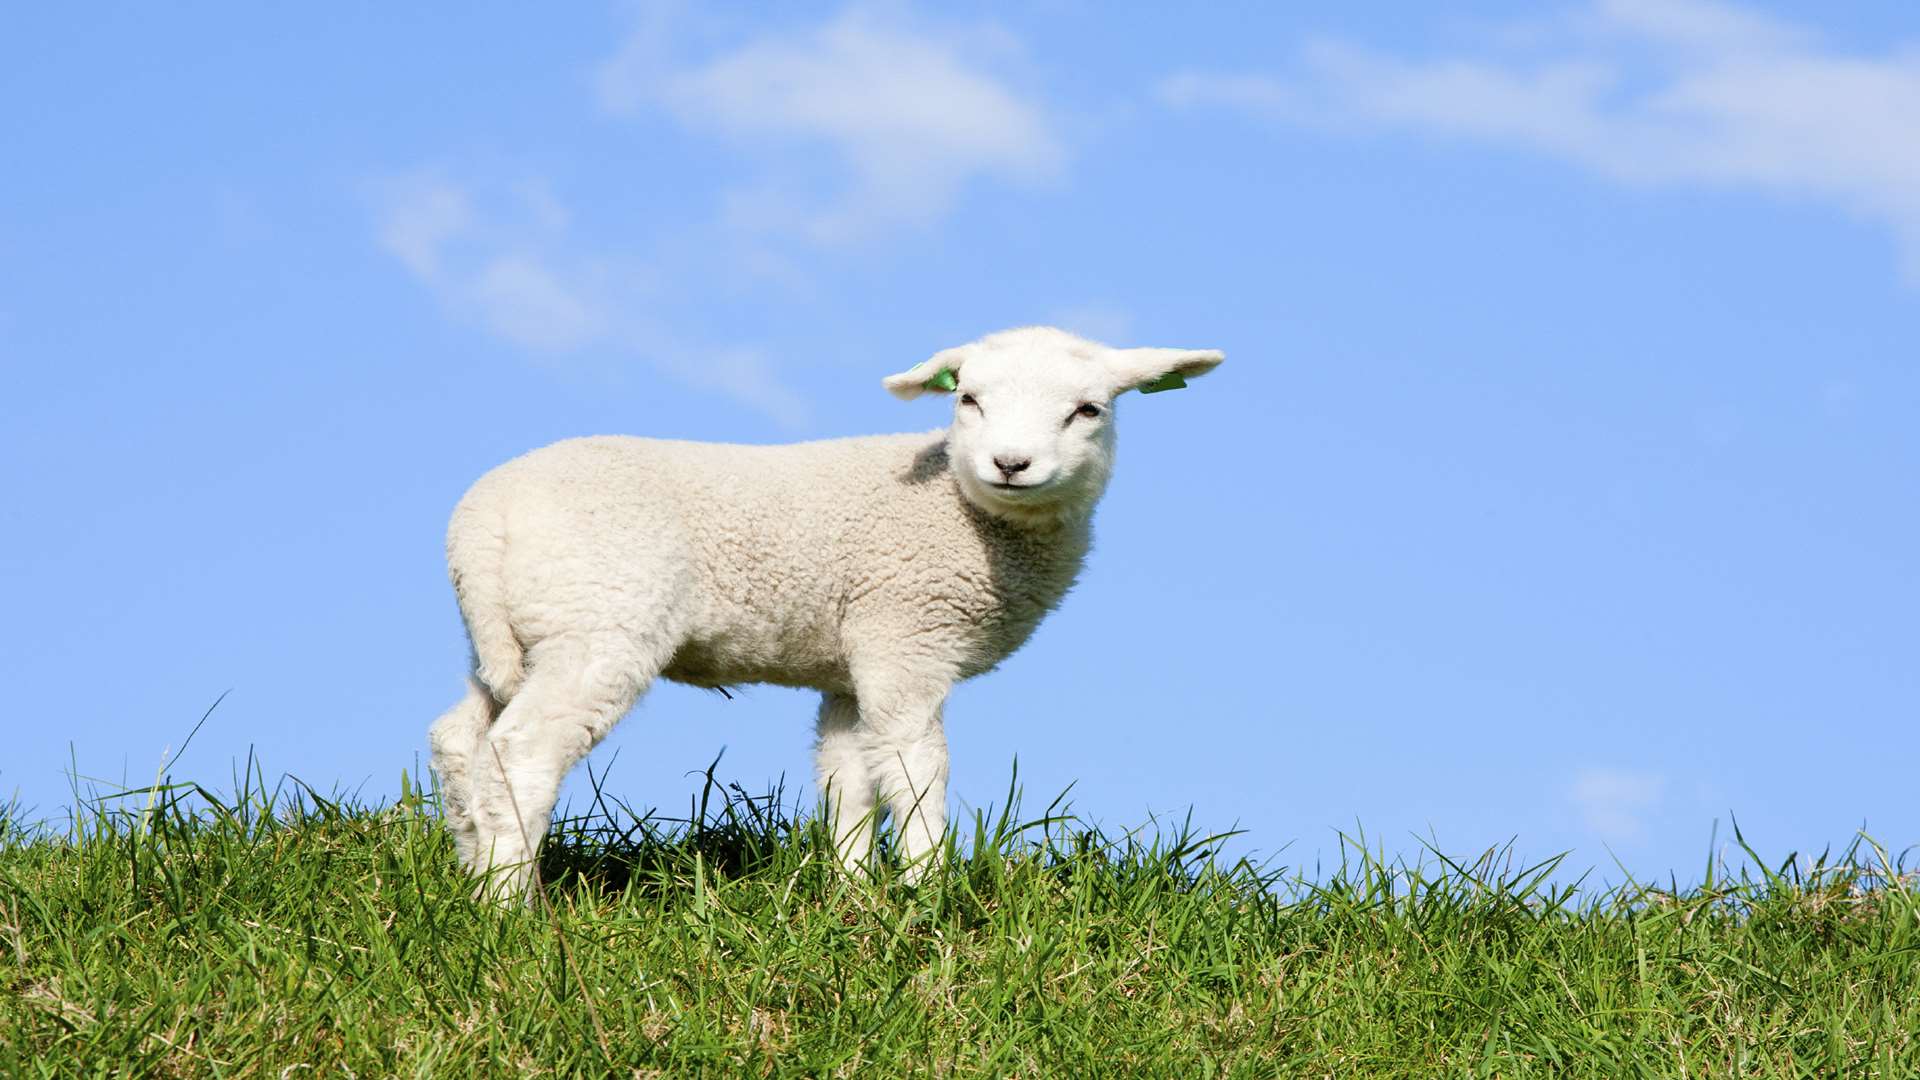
{"x":755,"y":550}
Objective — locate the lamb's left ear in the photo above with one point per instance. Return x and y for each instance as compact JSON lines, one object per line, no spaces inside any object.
{"x":938,"y":373}
{"x":1152,"y":370}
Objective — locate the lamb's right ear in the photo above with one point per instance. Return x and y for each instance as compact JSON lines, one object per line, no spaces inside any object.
{"x":939,"y":373}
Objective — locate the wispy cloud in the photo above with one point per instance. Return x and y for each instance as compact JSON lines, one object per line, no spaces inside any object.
{"x":1644,"y":92}
{"x":910,"y":116}
{"x":907,"y":115}
{"x":527,"y":302}
{"x":422,"y":216}
{"x":1614,"y":803}
{"x":513,"y":271}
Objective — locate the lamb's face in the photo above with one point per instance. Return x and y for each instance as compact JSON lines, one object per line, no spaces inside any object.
{"x":1032,"y":435}
{"x":1032,"y":430}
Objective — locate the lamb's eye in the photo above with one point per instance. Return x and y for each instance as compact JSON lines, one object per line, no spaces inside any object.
{"x":1089,"y":410}
{"x":967,"y":399}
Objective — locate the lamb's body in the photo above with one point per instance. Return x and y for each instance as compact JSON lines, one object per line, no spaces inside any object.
{"x":876,"y":570}
{"x":747,"y":564}
{"x":828,"y":565}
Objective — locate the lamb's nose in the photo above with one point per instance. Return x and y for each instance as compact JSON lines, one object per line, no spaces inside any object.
{"x":1010,"y":465}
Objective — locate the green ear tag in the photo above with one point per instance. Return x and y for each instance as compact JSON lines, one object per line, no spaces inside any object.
{"x":1170,"y":381}
{"x":943,"y":379}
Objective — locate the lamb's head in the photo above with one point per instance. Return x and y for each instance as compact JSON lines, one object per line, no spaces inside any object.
{"x":1032,"y":435}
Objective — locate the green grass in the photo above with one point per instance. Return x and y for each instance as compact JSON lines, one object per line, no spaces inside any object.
{"x":268,"y":934}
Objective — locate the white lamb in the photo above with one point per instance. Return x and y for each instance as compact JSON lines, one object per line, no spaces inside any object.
{"x":878,"y":570}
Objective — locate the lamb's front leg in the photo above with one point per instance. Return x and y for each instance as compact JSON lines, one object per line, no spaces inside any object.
{"x":840,"y":769}
{"x":906,"y":755}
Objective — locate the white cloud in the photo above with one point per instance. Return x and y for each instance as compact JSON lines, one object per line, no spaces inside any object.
{"x":509,"y":272}
{"x":1645,"y":92}
{"x":485,"y":267}
{"x":1707,"y":25}
{"x":526,"y":302}
{"x":744,"y":374}
{"x":423,"y":216}
{"x":910,"y":116}
{"x":1614,"y":803}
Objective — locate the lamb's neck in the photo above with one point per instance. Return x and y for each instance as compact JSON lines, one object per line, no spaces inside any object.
{"x":1056,"y":541}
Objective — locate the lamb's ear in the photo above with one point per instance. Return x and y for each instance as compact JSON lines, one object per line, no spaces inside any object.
{"x":1153,"y":370}
{"x":940,"y":373}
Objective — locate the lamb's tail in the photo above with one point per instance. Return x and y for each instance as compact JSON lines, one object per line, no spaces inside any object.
{"x":476,"y":560}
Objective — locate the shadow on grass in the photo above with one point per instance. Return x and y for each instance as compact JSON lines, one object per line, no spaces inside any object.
{"x":612,"y":849}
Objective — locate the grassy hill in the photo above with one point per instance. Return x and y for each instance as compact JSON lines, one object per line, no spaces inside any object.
{"x":272,"y":934}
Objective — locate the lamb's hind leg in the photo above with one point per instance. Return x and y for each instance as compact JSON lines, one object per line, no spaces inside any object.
{"x":453,"y":738}
{"x":577,"y":688}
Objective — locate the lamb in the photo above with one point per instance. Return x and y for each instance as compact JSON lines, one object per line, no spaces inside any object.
{"x":878,"y":570}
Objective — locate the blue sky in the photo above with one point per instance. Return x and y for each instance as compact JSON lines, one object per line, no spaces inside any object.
{"x":1558,"y":485}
